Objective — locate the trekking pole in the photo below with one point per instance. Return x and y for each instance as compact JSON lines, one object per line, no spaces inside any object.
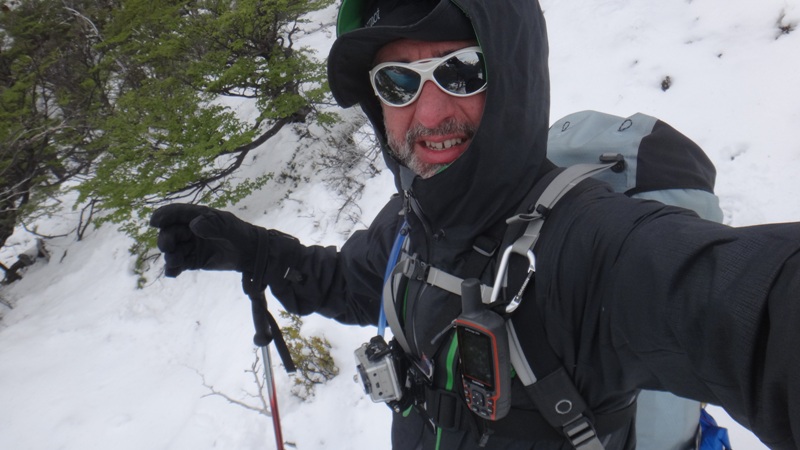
{"x":273,"y":397}
{"x":267,"y":331}
{"x":262,"y":339}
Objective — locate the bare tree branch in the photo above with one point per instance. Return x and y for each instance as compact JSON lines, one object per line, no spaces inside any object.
{"x":263,"y":409}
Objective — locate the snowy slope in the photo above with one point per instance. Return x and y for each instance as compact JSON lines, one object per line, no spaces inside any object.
{"x":89,"y":362}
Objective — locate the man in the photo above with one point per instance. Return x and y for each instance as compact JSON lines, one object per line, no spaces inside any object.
{"x":631,"y":294}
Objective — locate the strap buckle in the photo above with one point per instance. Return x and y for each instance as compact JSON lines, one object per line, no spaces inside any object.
{"x":581,"y":434}
{"x":415,"y":269}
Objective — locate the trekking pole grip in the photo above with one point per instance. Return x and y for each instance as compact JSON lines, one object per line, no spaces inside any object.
{"x":263,"y":336}
{"x":267,"y":329}
{"x":251,"y":284}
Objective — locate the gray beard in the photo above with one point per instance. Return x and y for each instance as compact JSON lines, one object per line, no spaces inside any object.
{"x":404,"y":150}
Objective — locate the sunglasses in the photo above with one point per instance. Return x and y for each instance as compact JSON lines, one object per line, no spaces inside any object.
{"x":460,"y":74}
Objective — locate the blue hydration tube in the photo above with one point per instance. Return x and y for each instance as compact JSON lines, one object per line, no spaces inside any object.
{"x":393,"y":256}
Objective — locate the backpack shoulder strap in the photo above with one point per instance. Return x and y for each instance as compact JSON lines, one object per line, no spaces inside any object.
{"x":555,"y":190}
{"x":391,"y":287}
{"x":538,"y":209}
{"x":548,"y":384}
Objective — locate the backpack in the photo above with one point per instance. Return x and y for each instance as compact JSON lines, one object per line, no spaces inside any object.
{"x":639,"y":156}
{"x":663,"y":420}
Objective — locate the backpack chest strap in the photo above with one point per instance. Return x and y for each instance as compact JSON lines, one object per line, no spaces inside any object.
{"x":411,"y":267}
{"x":415,"y":269}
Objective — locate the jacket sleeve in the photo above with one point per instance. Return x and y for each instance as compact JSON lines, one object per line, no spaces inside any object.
{"x":344,"y":285}
{"x":676,"y":303}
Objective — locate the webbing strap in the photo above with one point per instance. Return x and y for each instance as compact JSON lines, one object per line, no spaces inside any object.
{"x":557,"y":188}
{"x":452,"y":283}
{"x":552,"y":391}
{"x":562,"y":406}
{"x":523,"y":370}
{"x":528,"y":425}
{"x":390,"y":289}
{"x":413,"y":268}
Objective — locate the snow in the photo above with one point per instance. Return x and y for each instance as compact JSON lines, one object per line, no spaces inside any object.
{"x":87,"y":361}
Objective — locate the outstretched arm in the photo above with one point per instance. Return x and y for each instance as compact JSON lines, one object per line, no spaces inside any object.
{"x":668,"y":301}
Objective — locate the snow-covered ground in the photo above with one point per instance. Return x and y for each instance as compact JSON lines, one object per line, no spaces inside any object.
{"x":87,"y":361}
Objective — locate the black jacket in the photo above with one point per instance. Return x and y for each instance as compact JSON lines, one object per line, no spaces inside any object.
{"x":634,"y":294}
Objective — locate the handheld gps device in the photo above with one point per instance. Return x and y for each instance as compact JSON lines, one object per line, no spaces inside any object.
{"x":485,"y":359}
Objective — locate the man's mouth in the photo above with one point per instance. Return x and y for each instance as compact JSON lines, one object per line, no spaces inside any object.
{"x":426,"y":151}
{"x":444,"y":145}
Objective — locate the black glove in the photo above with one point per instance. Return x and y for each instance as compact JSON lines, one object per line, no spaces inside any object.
{"x":198,"y":237}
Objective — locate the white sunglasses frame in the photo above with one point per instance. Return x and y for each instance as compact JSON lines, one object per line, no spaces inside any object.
{"x":425,"y":69}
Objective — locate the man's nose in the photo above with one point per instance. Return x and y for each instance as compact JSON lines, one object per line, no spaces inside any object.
{"x":433,"y":106}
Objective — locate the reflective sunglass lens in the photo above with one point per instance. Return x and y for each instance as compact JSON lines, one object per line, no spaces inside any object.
{"x":397,"y":85}
{"x":462,"y":74}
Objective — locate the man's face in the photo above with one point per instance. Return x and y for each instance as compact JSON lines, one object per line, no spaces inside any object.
{"x":437,"y":128}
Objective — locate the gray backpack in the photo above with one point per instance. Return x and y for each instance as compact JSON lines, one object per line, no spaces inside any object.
{"x":663,"y":420}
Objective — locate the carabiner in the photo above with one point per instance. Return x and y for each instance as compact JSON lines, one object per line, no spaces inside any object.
{"x":502,"y":271}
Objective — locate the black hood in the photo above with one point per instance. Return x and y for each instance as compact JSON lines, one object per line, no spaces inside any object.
{"x":508,"y":151}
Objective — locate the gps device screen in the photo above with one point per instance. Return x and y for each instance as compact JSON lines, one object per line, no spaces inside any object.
{"x":476,"y":351}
